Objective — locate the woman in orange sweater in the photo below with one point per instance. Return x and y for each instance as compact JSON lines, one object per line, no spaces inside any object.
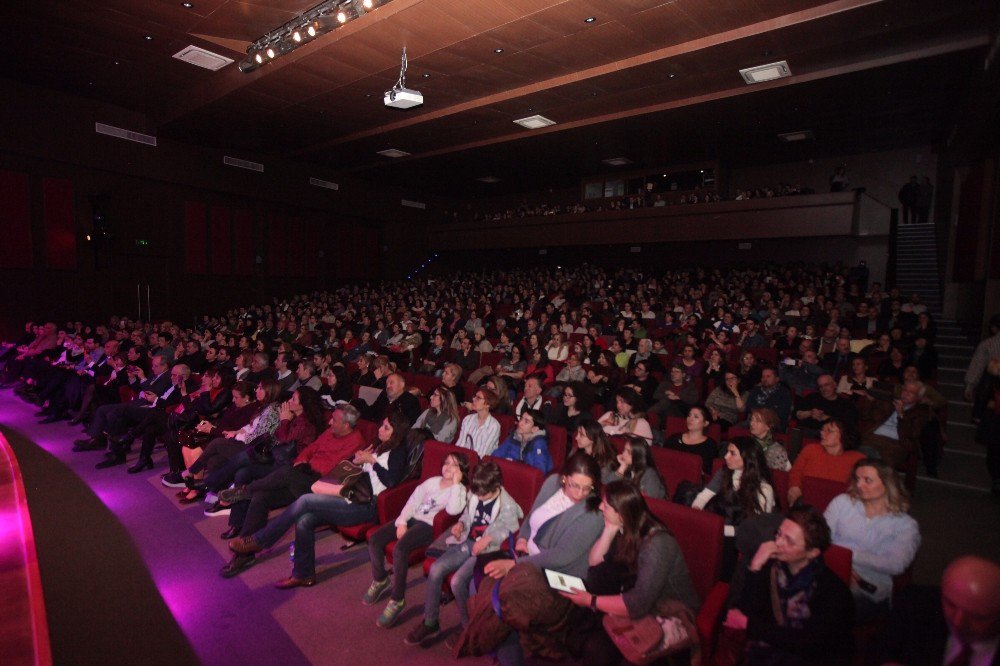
{"x":826,"y":460}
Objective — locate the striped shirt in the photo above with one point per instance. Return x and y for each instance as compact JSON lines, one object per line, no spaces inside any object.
{"x":987,"y":349}
{"x":483,"y":439}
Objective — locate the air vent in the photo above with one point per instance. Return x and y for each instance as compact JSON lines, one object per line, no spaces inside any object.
{"x":128,"y":135}
{"x":413,"y":204}
{"x":243,"y":164}
{"x":617,"y":161}
{"x":769,"y":72}
{"x":535,"y":122}
{"x":393,"y":152}
{"x":324,"y":183}
{"x":199,"y":57}
{"x":801,"y":135}
{"x":488,"y":179}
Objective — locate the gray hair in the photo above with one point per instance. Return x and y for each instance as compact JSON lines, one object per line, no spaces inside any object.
{"x":350,"y":414}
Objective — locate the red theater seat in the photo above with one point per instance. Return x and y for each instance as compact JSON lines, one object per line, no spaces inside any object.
{"x":676,"y":466}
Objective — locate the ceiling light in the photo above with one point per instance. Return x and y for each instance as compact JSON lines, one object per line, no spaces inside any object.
{"x":800,"y":135}
{"x":259,"y":58}
{"x":342,"y":16}
{"x":426,"y":76}
{"x":270,"y":52}
{"x":148,"y":38}
{"x":186,"y":5}
{"x":367,"y":4}
{"x":534,"y":122}
{"x":311,"y":31}
{"x":590,"y":19}
{"x":497,"y":50}
{"x":297,"y":36}
{"x":617,"y":161}
{"x":488,"y":179}
{"x":769,"y":72}
{"x":393,"y":152}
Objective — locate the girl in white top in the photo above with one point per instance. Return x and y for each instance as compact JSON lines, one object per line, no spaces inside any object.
{"x":557,"y":349}
{"x":741,"y":485}
{"x":414,"y":528}
{"x":627,"y":419}
{"x":480,"y":431}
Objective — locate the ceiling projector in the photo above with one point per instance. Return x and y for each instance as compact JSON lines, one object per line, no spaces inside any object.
{"x":403,"y":98}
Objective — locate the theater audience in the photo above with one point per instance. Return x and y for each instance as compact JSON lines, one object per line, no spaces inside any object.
{"x":694,"y":440}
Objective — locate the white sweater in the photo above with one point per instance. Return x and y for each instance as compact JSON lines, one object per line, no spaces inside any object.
{"x":429,"y":498}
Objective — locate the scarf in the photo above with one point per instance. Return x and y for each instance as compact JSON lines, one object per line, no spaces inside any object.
{"x":791,"y":593}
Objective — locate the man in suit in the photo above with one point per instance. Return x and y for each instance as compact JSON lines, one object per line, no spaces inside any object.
{"x":893,"y":429}
{"x":107,"y":417}
{"x":957,"y":624}
{"x":838,"y":362}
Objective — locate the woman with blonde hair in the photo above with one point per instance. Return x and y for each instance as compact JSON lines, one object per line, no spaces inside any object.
{"x":441,"y":417}
{"x":871,"y":519}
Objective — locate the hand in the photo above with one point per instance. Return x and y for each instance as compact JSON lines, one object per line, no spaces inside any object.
{"x":230,"y":434}
{"x":715,"y":413}
{"x":521,"y":546}
{"x":735,"y":619}
{"x":579,"y":597}
{"x":457,"y":530}
{"x":764,"y":553}
{"x":204,"y":426}
{"x":898,"y":404}
{"x":482,"y":543}
{"x":285,"y":412}
{"x":498,"y":568}
{"x":400,"y":531}
{"x":364,"y":456}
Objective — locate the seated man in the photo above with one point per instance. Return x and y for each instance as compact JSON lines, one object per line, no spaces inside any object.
{"x":838,"y":362}
{"x":817,"y":408}
{"x":801,"y":375}
{"x":395,"y":398}
{"x":252,"y":502}
{"x":893,"y":429}
{"x":675,"y":394}
{"x":770,"y":393}
{"x":532,"y":398}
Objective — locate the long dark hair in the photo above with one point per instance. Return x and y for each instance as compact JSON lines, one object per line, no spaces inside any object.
{"x":642,"y":458}
{"x":581,"y":463}
{"x":400,"y":427}
{"x":637,"y":522}
{"x":755,"y":471}
{"x":602,"y":450}
{"x":312,"y":407}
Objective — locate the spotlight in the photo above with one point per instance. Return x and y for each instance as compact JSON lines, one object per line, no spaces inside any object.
{"x":367,"y":4}
{"x":311,"y":31}
{"x":590,"y":19}
{"x":342,"y":17}
{"x":270,"y":52}
{"x":297,"y":36}
{"x":259,"y":58}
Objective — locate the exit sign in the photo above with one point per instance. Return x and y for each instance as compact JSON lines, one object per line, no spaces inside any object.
{"x":141,"y":242}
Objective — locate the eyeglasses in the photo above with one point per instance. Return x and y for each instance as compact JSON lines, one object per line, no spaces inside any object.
{"x":478,"y":397}
{"x":573,"y":485}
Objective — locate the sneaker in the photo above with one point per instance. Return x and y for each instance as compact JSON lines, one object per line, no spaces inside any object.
{"x":422,"y":632}
{"x":391,"y":613}
{"x":233,"y":495}
{"x":172,"y":480}
{"x":376,"y":592}
{"x":211,"y":498}
{"x":217,"y":510}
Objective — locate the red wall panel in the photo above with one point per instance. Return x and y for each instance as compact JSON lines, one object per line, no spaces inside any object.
{"x":59,"y":223}
{"x":245,"y":234}
{"x":195,"y":238}
{"x":313,"y":244}
{"x":277,"y":236}
{"x":222,"y":241}
{"x":15,"y":220}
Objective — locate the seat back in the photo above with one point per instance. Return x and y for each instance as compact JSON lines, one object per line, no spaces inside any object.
{"x":368,"y":430}
{"x":820,"y":492}
{"x":434,"y":454}
{"x":522,"y":481}
{"x":839,"y":560}
{"x":558,"y":445}
{"x":779,"y":481}
{"x":700,"y":536}
{"x":425,"y":383}
{"x":507,"y":422}
{"x":678,"y":424}
{"x":676,"y":466}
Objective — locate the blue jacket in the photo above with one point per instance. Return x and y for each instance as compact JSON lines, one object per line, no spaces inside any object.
{"x":534,"y":452}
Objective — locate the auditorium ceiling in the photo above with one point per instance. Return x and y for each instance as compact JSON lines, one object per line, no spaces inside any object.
{"x":655,"y":82}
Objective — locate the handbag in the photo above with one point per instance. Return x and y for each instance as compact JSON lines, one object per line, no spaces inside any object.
{"x":653,"y":637}
{"x":192,"y":439}
{"x":259,"y":450}
{"x":356,"y":485}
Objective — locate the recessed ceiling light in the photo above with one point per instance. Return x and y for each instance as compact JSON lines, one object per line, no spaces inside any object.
{"x":590,"y":19}
{"x":671,"y":76}
{"x":426,"y":76}
{"x":768,"y":72}
{"x":488,"y":179}
{"x":534,"y":122}
{"x":393,"y":152}
{"x":186,"y":5}
{"x":148,"y":38}
{"x":617,"y":161}
{"x":117,"y":63}
{"x":497,"y":50}
{"x":799,"y":135}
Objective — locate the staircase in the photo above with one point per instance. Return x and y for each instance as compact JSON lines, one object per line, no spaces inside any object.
{"x":917,"y":264}
{"x":964,"y":461}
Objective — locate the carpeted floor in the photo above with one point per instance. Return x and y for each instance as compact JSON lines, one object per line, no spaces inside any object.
{"x":131,"y":576}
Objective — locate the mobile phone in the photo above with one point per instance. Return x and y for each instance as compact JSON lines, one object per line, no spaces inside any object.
{"x":866,"y":586}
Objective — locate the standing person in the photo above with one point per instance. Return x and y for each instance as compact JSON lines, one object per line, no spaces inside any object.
{"x":838,"y":181}
{"x":976,"y":382}
{"x":412,"y":529}
{"x":925,"y":197}
{"x":908,"y":200}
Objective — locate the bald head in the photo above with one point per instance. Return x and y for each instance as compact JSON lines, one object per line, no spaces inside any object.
{"x":970,"y":597}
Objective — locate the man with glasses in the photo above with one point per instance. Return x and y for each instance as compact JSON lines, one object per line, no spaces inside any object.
{"x":817,"y":408}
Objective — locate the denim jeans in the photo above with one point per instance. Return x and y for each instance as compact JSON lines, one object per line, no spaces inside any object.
{"x":307,"y":513}
{"x":458,"y":559}
{"x":418,"y":533}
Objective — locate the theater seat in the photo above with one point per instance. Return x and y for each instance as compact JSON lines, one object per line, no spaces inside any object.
{"x":368,"y":430}
{"x":558,"y":445}
{"x":820,"y":492}
{"x":676,"y":466}
{"x":839,"y":560}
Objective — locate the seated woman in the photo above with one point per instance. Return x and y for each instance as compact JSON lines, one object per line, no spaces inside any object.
{"x":209,"y":403}
{"x":528,"y":443}
{"x":748,"y":370}
{"x":763,"y":421}
{"x":628,"y":417}
{"x":479,"y":341}
{"x":221,"y":450}
{"x":604,"y":376}
{"x":891,"y":369}
{"x":715,"y":368}
{"x":383,"y":467}
{"x":635,"y":465}
{"x":636,"y":567}
{"x":562,"y":526}
{"x":490,"y":518}
{"x":499,"y":386}
{"x":573,"y":371}
{"x":413,"y":529}
{"x":435,"y":357}
{"x":441,"y":417}
{"x":540,"y":367}
{"x":827,"y":460}
{"x":694,"y":440}
{"x":557,"y":349}
{"x":871,"y":519}
{"x":727,"y":400}
{"x":589,"y":438}
{"x":451,"y":379}
{"x":480,"y":431}
{"x":795,"y":610}
{"x":576,"y":401}
{"x":857,"y":381}
{"x":512,"y":366}
{"x":336,"y":386}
